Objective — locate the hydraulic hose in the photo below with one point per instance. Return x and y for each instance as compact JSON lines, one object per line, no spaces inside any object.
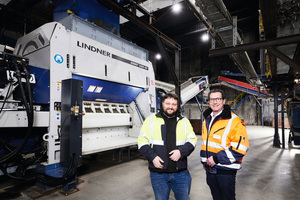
{"x":28,"y":86}
{"x":5,"y":99}
{"x":55,"y":181}
{"x":29,"y":112}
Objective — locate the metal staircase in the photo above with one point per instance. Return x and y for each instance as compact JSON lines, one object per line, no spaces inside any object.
{"x":238,"y":100}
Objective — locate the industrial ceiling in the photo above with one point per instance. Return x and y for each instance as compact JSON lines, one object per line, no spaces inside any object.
{"x":184,"y":30}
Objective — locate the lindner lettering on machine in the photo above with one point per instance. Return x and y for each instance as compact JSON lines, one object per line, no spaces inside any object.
{"x":93,"y":49}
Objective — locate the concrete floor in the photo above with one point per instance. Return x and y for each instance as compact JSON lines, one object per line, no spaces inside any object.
{"x":268,"y":174}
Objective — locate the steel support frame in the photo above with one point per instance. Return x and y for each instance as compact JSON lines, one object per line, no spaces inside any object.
{"x":234,"y":31}
{"x":175,"y":72}
{"x":276,"y":141}
{"x":284,"y":58}
{"x":256,"y":45}
{"x":282,"y":116}
{"x":202,"y":18}
{"x":161,"y":39}
{"x":262,"y":112}
{"x":267,"y":44}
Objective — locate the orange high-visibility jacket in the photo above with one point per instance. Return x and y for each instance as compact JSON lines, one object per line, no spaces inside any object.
{"x":226,"y":141}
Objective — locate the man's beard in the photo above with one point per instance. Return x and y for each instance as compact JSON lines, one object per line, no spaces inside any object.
{"x":173,"y":114}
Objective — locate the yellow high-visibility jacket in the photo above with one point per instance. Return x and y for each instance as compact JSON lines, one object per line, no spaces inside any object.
{"x":226,"y":141}
{"x":151,"y":141}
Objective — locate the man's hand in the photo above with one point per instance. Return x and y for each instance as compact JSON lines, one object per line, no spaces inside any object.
{"x":175,"y":155}
{"x":210,"y":162}
{"x":157,"y":162}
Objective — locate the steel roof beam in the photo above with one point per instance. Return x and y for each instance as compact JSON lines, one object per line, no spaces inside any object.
{"x":256,"y":45}
{"x":140,"y":23}
{"x":285,"y":59}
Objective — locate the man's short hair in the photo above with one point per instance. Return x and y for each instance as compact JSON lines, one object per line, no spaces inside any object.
{"x":169,"y":95}
{"x":216,"y":90}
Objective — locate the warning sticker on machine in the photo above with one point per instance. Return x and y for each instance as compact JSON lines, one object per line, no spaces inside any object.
{"x":91,"y":88}
{"x":98,"y":89}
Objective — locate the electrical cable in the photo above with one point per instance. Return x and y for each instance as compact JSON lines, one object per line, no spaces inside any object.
{"x":6,"y":96}
{"x":23,"y":165}
{"x":62,"y":125}
{"x":21,"y":169}
{"x":4,"y":170}
{"x":29,"y":111}
{"x":55,"y":181}
{"x":42,"y":178}
{"x":29,"y":92}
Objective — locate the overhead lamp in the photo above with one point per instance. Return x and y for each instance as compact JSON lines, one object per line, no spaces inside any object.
{"x":176,"y":8}
{"x":158,"y":56}
{"x":205,"y":37}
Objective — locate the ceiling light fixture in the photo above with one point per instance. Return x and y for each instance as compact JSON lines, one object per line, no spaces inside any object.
{"x":205,"y":37}
{"x":176,"y":8}
{"x":158,"y":56}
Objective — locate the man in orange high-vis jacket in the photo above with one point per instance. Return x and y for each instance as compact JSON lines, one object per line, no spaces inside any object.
{"x":224,"y":144}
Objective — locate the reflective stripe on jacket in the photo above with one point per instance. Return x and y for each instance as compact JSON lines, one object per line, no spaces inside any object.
{"x":151,"y":141}
{"x":226,"y":141}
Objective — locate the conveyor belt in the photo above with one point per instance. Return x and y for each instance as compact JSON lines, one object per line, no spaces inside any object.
{"x":189,"y":88}
{"x":241,"y":86}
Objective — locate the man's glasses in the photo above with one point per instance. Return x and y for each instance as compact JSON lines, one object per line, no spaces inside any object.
{"x":215,"y":100}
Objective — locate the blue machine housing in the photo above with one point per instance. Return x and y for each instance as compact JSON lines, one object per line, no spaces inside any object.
{"x":100,"y":90}
{"x":93,"y":89}
{"x":41,"y":89}
{"x":294,"y":118}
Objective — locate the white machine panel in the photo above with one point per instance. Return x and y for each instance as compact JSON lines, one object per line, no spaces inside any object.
{"x":67,"y":54}
{"x":19,"y":119}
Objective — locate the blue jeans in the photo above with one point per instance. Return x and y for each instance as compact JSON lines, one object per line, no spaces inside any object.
{"x":179,"y":182}
{"x":222,"y":186}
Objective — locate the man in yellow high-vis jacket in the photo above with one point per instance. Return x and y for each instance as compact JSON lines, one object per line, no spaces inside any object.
{"x":166,"y":139}
{"x":224,"y":144}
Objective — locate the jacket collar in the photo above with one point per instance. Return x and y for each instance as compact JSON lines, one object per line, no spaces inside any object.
{"x":226,"y":113}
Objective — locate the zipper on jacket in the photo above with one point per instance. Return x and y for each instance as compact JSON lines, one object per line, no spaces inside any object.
{"x":206,"y":146}
{"x":219,"y":130}
{"x":239,"y":143}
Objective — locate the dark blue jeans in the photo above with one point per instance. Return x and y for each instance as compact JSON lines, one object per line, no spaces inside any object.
{"x":179,"y":182}
{"x":222,"y":186}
